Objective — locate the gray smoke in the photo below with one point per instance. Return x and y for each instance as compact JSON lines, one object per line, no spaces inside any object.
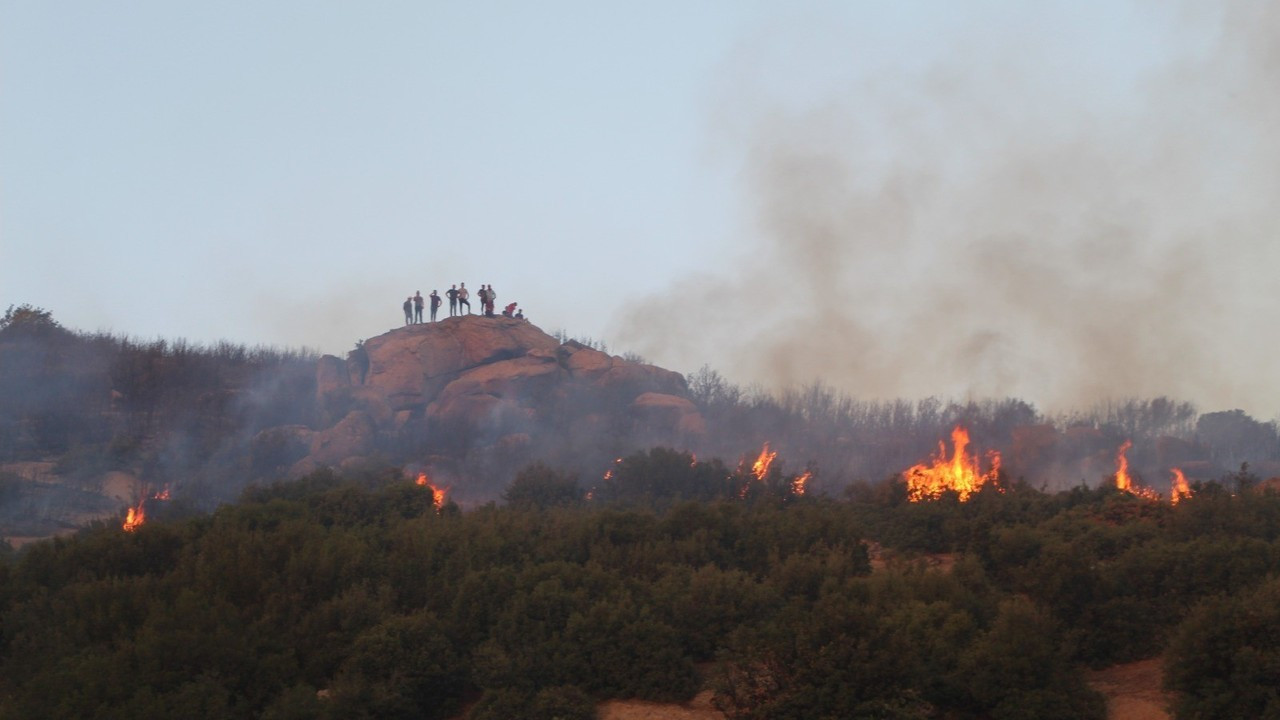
{"x":973,"y":230}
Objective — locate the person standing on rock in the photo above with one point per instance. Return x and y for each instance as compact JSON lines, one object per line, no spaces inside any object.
{"x":453,"y":300}
{"x":489,"y":297}
{"x":408,"y":310}
{"x":418,"y":302}
{"x":463,"y":294}
{"x":484,"y":300}
{"x":435,"y":304}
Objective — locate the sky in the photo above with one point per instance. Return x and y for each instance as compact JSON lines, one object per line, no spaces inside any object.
{"x":1064,"y":202}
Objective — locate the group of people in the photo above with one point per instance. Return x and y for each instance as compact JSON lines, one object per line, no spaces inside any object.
{"x":458,"y":296}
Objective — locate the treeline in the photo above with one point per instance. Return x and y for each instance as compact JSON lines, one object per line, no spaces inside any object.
{"x":853,"y":440}
{"x":162,"y":410}
{"x":355,"y":596}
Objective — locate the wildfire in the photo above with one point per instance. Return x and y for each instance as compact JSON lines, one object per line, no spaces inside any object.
{"x":798,"y":483}
{"x":1124,"y":481}
{"x":761,"y":466}
{"x":1181,"y":489}
{"x":438,"y":494}
{"x":135,"y":517}
{"x":960,"y":474}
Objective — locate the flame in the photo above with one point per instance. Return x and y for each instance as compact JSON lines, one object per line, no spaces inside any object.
{"x":798,"y":483}
{"x":1123,"y":481}
{"x":135,"y":517}
{"x":761,"y":466}
{"x":438,"y":494}
{"x":960,"y":474}
{"x":1181,"y":489}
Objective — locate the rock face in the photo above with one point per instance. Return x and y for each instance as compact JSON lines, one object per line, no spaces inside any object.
{"x":473,"y":383}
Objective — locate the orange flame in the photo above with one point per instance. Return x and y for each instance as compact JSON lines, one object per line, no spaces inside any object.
{"x":438,"y":494}
{"x":135,"y":517}
{"x":960,"y":474}
{"x":1181,"y":489}
{"x":798,"y":483}
{"x":761,"y":466}
{"x":1124,"y":481}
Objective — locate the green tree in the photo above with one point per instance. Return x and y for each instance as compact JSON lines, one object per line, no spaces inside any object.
{"x":538,"y":486}
{"x":1224,"y":658}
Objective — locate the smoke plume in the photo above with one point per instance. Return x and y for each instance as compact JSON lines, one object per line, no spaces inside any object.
{"x":986,"y":228}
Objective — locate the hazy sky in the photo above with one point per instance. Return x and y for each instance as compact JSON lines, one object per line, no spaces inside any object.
{"x":1060,"y":201}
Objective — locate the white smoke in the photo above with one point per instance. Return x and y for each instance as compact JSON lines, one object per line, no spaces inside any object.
{"x":984,"y":228}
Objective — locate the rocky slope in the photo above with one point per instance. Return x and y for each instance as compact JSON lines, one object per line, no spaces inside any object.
{"x":475,"y":387}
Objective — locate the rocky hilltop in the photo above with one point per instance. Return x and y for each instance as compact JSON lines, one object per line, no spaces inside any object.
{"x":476,"y":388}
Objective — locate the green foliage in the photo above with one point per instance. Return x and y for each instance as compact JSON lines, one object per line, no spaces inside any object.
{"x":539,"y":487}
{"x":661,"y":475}
{"x":348,"y":595}
{"x":1225,"y":656}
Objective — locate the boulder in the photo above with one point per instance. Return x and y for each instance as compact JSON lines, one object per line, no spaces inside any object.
{"x":497,"y":385}
{"x":279,"y":447}
{"x":331,"y":374}
{"x":354,"y":435}
{"x":410,"y":365}
{"x":670,"y":411}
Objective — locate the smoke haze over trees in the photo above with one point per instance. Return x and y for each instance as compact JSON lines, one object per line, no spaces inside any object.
{"x":85,"y":412}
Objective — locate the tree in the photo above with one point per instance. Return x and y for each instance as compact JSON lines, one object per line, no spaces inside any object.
{"x":1225,"y":657}
{"x":538,"y":486}
{"x":29,"y":321}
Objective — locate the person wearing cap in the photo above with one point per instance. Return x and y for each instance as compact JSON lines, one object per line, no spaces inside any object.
{"x":435,"y":304}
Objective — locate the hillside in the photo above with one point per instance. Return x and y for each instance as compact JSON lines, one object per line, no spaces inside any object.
{"x":94,"y":424}
{"x":362,"y":595}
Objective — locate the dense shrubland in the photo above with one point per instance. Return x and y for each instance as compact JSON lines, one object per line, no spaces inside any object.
{"x":353,"y":596}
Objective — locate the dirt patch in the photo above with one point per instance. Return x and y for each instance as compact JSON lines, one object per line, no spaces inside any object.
{"x":882,"y":557}
{"x":121,"y":486}
{"x":699,"y":708}
{"x":1133,"y":690}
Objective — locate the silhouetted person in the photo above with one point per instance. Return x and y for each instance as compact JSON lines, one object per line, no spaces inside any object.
{"x":408,"y":310}
{"x":463,"y":294}
{"x":484,"y":300}
{"x":453,"y":300}
{"x":519,"y":314}
{"x":417,"y":306}
{"x":489,"y":297}
{"x":359,"y":358}
{"x":435,"y":304}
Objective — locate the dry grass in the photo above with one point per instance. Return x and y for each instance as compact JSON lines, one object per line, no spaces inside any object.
{"x":1133,"y":690}
{"x":699,"y":708}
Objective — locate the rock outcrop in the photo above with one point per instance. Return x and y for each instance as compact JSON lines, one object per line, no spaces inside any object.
{"x":471,"y":383}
